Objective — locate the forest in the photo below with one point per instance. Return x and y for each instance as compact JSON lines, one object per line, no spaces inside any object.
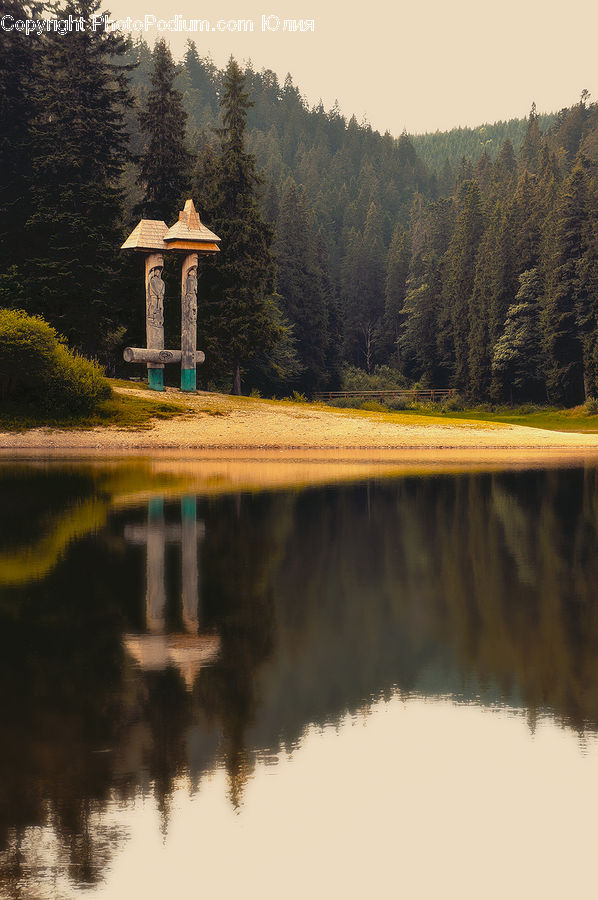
{"x":467,"y":259}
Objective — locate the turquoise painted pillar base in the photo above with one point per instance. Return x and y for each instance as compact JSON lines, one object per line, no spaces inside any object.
{"x":188,"y":379}
{"x":189,"y":508}
{"x":155,"y":508}
{"x":155,"y":379}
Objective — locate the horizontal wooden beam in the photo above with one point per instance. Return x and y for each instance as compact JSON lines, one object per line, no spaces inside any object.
{"x":145,"y":355}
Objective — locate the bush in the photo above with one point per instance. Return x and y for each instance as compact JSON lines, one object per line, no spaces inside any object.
{"x":298,"y":397}
{"x":383,"y":378}
{"x":453,"y":404}
{"x":38,"y":372}
{"x":591,"y":406}
{"x":397,"y":403}
{"x":344,"y":402}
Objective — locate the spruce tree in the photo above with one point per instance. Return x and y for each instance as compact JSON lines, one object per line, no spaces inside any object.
{"x":530,"y":149}
{"x":505,"y":166}
{"x":299,"y":284}
{"x":565,"y":296}
{"x":459,"y":265}
{"x":80,"y":146}
{"x":165,"y":164}
{"x":238,"y":316}
{"x":363,"y":284}
{"x":517,"y":362}
{"x":397,"y":271}
{"x":20,"y":56}
{"x":430,"y":237}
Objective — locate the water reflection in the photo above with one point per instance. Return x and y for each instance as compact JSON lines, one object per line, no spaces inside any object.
{"x":186,"y":650}
{"x":183,"y":635}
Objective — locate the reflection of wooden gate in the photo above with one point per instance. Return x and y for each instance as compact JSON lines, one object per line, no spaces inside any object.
{"x":155,"y":650}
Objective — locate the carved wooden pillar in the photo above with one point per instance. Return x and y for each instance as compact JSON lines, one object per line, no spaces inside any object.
{"x":154,"y":316}
{"x":190,"y":572}
{"x":189,"y":322}
{"x":155,"y":592}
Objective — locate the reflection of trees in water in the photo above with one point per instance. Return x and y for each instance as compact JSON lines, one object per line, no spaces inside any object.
{"x":84,"y":728}
{"x":323,"y":599}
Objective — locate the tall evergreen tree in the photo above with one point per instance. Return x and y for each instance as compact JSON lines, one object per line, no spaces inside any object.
{"x":299,"y":284}
{"x":397,"y":271}
{"x":238,"y":317}
{"x":363,"y":284}
{"x":459,"y":266}
{"x":430,"y":237}
{"x":565,"y":296}
{"x":165,"y":164}
{"x":20,"y":55}
{"x":517,"y":362}
{"x":530,"y":149}
{"x":79,"y":150}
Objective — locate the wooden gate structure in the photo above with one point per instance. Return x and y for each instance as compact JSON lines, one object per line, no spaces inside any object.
{"x":190,"y":238}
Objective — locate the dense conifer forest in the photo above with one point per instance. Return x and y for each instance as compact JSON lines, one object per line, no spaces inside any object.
{"x":466,"y":259}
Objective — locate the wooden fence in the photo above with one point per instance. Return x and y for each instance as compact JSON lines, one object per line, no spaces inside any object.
{"x":432,"y":394}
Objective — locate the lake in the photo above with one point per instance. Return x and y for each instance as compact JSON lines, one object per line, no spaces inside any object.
{"x":382,"y":685}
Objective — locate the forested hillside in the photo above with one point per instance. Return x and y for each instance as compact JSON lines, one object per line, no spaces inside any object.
{"x":477,"y":271}
{"x":435,"y":148}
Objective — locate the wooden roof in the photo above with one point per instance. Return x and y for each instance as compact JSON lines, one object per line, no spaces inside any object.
{"x":147,"y":235}
{"x":189,"y":232}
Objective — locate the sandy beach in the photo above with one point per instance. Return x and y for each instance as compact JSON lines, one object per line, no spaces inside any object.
{"x":213,"y":423}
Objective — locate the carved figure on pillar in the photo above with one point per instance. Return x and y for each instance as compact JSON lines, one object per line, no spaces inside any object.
{"x":191,"y":293}
{"x":155,"y":292}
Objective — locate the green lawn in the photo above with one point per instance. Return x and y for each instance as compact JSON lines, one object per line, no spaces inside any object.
{"x":574,"y":420}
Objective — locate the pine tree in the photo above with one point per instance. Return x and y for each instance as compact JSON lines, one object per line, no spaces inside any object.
{"x":300,"y":287}
{"x":165,"y":163}
{"x":20,"y":55}
{"x":79,"y":150}
{"x":530,"y":149}
{"x":517,"y":362}
{"x":565,"y":295}
{"x":363,"y":284}
{"x":238,"y":317}
{"x":589,"y":281}
{"x":397,"y":271}
{"x":430,"y":237}
{"x":505,"y":166}
{"x":458,"y":284}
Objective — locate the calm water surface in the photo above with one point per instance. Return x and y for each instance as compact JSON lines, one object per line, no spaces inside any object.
{"x":385,"y":688}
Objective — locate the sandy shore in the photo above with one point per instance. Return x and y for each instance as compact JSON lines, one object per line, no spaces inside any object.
{"x":216,"y":423}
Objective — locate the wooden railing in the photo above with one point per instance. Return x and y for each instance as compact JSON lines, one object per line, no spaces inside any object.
{"x":432,"y":394}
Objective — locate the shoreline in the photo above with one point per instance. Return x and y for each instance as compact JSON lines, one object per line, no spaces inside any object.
{"x":215,"y":426}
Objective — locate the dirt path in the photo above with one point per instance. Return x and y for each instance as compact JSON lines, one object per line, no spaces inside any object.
{"x":216,"y":422}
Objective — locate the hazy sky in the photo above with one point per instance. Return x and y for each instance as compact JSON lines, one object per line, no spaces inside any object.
{"x":420,"y":66}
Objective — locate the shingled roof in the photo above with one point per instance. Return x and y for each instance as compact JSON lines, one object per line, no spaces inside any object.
{"x":190,"y":230}
{"x":147,"y":235}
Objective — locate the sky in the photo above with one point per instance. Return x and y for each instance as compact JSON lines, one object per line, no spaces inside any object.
{"x":420,"y":66}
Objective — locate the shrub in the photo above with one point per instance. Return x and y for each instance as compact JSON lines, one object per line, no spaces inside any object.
{"x":383,"y":378}
{"x":397,"y":403}
{"x":344,"y":402}
{"x":38,"y":372}
{"x":454,"y":404}
{"x":591,"y":406}
{"x":373,"y":406}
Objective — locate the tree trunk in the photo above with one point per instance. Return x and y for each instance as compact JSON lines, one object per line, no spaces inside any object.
{"x":237,"y":378}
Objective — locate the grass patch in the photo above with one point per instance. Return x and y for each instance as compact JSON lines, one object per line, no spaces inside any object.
{"x":576,"y":420}
{"x":119,"y":410}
